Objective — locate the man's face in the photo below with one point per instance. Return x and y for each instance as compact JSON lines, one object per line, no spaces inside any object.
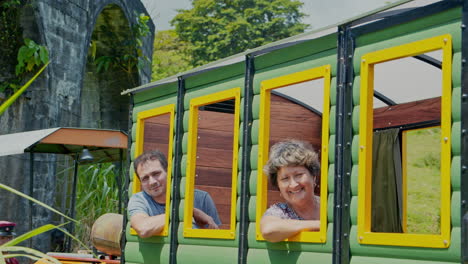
{"x":4,"y":239}
{"x":153,"y":179}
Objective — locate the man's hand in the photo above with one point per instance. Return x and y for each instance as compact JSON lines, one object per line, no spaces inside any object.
{"x":203,"y":220}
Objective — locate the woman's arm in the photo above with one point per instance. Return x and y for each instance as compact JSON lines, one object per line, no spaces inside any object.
{"x":203,"y":220}
{"x":275,"y":229}
{"x":147,"y":226}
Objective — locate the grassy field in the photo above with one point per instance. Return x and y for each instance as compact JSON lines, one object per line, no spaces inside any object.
{"x":423,"y":181}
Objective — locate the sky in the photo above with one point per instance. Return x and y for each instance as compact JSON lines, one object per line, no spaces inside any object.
{"x":320,"y":12}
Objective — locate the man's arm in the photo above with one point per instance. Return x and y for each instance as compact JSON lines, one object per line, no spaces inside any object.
{"x":275,"y":229}
{"x":147,"y":226}
{"x":203,"y":220}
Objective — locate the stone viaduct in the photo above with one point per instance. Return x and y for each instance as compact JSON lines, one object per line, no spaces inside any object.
{"x":69,"y":93}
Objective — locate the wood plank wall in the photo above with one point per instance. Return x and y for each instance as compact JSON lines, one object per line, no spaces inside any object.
{"x":407,"y":113}
{"x":213,"y":172}
{"x":156,"y":133}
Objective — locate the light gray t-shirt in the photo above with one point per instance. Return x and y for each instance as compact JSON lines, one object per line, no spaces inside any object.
{"x":141,"y":202}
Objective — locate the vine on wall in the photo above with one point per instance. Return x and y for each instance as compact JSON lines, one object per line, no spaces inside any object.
{"x":19,"y":57}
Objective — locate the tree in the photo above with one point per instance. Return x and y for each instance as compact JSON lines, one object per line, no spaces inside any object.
{"x":170,"y":55}
{"x":220,"y":28}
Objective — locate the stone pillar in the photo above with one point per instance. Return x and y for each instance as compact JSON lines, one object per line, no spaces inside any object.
{"x":56,"y":98}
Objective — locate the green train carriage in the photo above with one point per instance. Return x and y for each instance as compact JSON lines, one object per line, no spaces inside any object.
{"x":361,"y":94}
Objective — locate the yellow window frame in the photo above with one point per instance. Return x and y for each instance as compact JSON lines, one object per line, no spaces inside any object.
{"x":365,"y":236}
{"x":264,"y":141}
{"x":140,"y":132}
{"x":195,"y":103}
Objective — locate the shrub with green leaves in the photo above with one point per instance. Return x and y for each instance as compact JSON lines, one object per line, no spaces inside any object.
{"x":30,"y":55}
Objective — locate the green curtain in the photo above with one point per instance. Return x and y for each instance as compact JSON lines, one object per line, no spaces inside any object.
{"x":386,"y":182}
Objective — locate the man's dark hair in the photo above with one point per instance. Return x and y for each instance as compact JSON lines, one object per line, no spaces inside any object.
{"x":150,"y":155}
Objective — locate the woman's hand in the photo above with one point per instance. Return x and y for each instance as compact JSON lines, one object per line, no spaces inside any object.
{"x":275,"y":229}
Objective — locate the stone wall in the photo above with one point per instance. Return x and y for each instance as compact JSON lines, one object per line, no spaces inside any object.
{"x":57,"y":99}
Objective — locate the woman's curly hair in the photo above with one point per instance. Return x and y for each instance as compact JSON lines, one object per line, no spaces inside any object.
{"x":291,"y":152}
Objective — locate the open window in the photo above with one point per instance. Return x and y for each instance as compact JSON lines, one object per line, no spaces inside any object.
{"x":295,"y":106}
{"x":212,"y":164}
{"x":155,"y":130}
{"x":404,"y":145}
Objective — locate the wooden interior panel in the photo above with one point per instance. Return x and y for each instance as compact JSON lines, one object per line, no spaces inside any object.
{"x":294,"y":111}
{"x":156,"y":134}
{"x":407,"y":113}
{"x":164,"y":119}
{"x":215,"y":139}
{"x":274,"y":197}
{"x":164,"y":148}
{"x":213,"y":176}
{"x":216,"y":158}
{"x":289,"y":120}
{"x":215,"y":121}
{"x":222,"y":199}
{"x":213,"y":172}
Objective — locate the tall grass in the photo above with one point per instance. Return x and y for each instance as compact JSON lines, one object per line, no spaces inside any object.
{"x":423,"y":181}
{"x":97,"y":194}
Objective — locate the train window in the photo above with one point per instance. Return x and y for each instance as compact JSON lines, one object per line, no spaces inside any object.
{"x":295,"y":106}
{"x":155,"y":130}
{"x":404,"y":161}
{"x":213,"y":138}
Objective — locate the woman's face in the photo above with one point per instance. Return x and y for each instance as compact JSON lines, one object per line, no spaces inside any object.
{"x":296,"y":184}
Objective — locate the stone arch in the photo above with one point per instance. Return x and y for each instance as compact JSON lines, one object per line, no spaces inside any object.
{"x":54,"y":100}
{"x":102,"y":106}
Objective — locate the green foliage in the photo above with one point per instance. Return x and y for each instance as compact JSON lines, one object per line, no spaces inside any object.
{"x":170,"y":55}
{"x":125,"y":52}
{"x":18,"y":57}
{"x":30,"y":55}
{"x":423,"y":181}
{"x":97,"y":194}
{"x":7,"y":188}
{"x":220,"y":28}
{"x":4,"y":106}
{"x":28,"y":252}
{"x":429,"y":160}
